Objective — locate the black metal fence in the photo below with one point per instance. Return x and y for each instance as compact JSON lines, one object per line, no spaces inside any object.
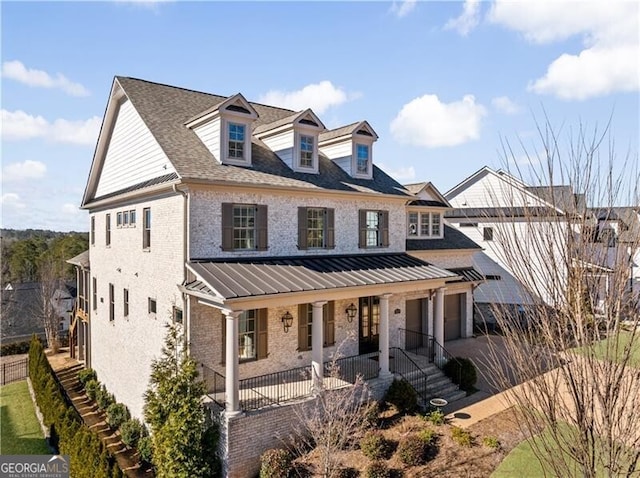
{"x":14,"y":371}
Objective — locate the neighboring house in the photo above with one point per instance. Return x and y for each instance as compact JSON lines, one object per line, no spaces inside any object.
{"x":616,"y":235}
{"x":432,"y":240}
{"x":22,"y":309}
{"x":511,"y":219}
{"x":494,"y":209}
{"x":273,"y":241}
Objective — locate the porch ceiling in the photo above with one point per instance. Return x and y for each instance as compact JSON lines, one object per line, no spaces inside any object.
{"x":238,"y":278}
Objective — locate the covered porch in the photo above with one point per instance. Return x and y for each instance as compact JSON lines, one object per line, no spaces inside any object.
{"x":347,"y":313}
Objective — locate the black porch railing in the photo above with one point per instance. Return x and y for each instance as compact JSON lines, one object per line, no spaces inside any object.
{"x":427,"y":346}
{"x":410,"y":371}
{"x":293,"y":384}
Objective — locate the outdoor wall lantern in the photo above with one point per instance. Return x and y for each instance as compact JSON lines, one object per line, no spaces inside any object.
{"x":287,"y":321}
{"x":351,"y":312}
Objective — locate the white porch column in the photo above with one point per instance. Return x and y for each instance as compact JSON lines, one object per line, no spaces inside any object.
{"x":232,"y":379}
{"x":384,"y":335}
{"x":438,"y":323}
{"x":317,"y":344}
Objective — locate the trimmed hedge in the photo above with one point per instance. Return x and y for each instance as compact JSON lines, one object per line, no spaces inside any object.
{"x":86,"y":375}
{"x":89,"y":457}
{"x":15,"y":348}
{"x":462,"y":372}
{"x":402,"y":395}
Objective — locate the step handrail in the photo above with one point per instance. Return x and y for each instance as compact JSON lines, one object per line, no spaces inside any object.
{"x":414,"y":367}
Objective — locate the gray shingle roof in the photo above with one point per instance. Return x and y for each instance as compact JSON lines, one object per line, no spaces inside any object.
{"x":277,"y":275}
{"x":427,"y":202}
{"x":453,"y":239}
{"x":336,"y":133}
{"x":165,"y":109}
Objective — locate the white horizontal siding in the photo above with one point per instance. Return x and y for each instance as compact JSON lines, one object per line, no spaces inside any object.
{"x":282,"y":145}
{"x":209,"y":134}
{"x":492,"y":191}
{"x":133,"y":156}
{"x":338,"y":150}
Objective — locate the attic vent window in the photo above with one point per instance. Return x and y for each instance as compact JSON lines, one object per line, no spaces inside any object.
{"x":308,"y":121}
{"x":238,"y":108}
{"x":364,"y":132}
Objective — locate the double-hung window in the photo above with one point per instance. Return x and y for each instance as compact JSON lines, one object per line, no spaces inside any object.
{"x":424,"y":224}
{"x":244,"y":227}
{"x":108,"y":229}
{"x":305,"y":325}
{"x":316,"y":228}
{"x":362,"y":159}
{"x":252,"y":335}
{"x":146,"y":228}
{"x":235,"y":142}
{"x":374,"y":229}
{"x":306,"y":151}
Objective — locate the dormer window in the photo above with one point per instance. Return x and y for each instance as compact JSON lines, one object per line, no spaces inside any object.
{"x":362,"y":154}
{"x":424,"y":225}
{"x":236,"y":141}
{"x":306,"y":151}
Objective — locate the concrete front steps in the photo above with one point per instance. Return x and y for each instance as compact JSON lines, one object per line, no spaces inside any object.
{"x":437,"y":384}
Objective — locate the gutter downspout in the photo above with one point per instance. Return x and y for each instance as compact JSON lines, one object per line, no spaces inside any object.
{"x":186,"y":317}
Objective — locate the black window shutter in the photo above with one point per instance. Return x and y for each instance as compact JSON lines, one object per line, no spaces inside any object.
{"x":262,"y":240}
{"x":302,"y":228}
{"x":384,"y":228}
{"x":329,"y":324}
{"x":263,"y":339}
{"x":302,"y":327}
{"x":362,"y":228}
{"x":227,"y":226}
{"x":330,"y":242}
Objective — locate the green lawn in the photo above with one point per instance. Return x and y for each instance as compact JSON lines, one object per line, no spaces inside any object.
{"x":610,"y":348}
{"x":20,"y":432}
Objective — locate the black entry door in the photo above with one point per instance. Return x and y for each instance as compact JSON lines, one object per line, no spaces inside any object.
{"x":369,"y":324}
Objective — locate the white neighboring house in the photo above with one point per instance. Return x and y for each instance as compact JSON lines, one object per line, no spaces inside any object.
{"x":489,"y":203}
{"x":270,"y":239}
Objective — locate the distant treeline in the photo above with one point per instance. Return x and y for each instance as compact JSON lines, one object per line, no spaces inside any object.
{"x":24,"y":251}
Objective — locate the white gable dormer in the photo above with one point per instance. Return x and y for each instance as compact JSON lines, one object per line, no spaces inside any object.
{"x":351,"y":148}
{"x":294,"y":139}
{"x":225,"y":130}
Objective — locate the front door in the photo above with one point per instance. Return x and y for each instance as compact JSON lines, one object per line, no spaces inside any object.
{"x":369,"y":323}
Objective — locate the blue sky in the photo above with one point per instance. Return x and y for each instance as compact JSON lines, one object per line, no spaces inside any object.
{"x":440,"y":82}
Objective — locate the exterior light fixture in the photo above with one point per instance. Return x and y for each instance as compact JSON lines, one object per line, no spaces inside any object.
{"x":287,"y":321}
{"x":351,"y":312}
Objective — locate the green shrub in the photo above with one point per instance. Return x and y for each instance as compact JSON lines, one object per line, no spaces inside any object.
{"x":275,"y":463}
{"x":104,"y":398}
{"x":436,"y":417}
{"x":87,"y":374}
{"x":15,"y":348}
{"x":402,"y":396}
{"x":372,"y":415}
{"x":91,"y":389}
{"x":131,"y":431}
{"x":375,"y":446}
{"x":462,"y":372}
{"x":117,"y":414}
{"x":412,"y":451}
{"x":491,"y":442}
{"x":377,"y":469}
{"x":428,"y":436}
{"x":461,"y":437}
{"x":88,"y":456}
{"x":145,"y":450}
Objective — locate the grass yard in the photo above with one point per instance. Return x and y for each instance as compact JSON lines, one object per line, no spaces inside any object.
{"x":20,"y":432}
{"x":611,"y":348}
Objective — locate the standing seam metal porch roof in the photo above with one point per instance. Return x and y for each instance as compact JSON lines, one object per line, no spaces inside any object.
{"x":237,"y":278}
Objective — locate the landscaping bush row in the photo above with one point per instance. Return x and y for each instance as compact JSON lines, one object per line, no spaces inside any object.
{"x":15,"y":348}
{"x":88,"y":456}
{"x":132,"y":432}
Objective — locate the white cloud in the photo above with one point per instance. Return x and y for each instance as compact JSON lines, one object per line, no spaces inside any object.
{"x":26,"y":170}
{"x":317,"y":96}
{"x":70,"y":209}
{"x":402,"y":174}
{"x":505,"y":105}
{"x":402,"y":8}
{"x":468,"y":19}
{"x":18,"y":125}
{"x":16,"y":70}
{"x":12,"y":200}
{"x":609,"y":31}
{"x":426,"y":121}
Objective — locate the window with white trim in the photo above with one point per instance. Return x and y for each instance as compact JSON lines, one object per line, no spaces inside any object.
{"x":235,"y":141}
{"x":362,"y":159}
{"x":306,"y":151}
{"x":424,"y":224}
